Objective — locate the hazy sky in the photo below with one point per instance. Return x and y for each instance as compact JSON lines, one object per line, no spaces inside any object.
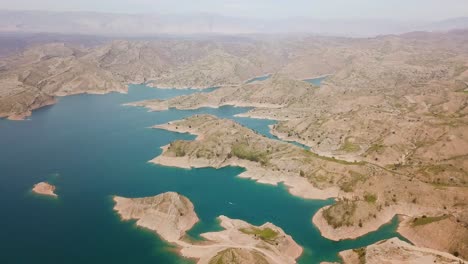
{"x":342,"y":9}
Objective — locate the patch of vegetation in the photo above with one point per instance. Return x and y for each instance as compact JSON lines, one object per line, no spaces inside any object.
{"x":377,"y":148}
{"x":344,"y":162}
{"x":340,"y":214}
{"x":362,"y":254}
{"x":233,"y":255}
{"x":178,"y":148}
{"x":266,"y":234}
{"x":436,"y":169}
{"x":349,"y":146}
{"x":459,"y":69}
{"x":424,"y":220}
{"x":243,"y":151}
{"x":370,"y":197}
{"x":347,"y":184}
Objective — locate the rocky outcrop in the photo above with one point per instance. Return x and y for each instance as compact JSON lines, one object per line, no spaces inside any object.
{"x":276,"y":92}
{"x":368,"y":196}
{"x":222,"y":142}
{"x":44,"y":188}
{"x":58,"y":69}
{"x":239,"y":256}
{"x":266,"y":243}
{"x":395,"y":251}
{"x":170,"y":215}
{"x":443,"y":232}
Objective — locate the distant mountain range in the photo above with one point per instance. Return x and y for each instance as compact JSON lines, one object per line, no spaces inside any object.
{"x":449,"y":24}
{"x":112,"y":24}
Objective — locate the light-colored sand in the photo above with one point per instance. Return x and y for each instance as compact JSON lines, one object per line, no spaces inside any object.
{"x":44,"y":188}
{"x":170,"y":215}
{"x":395,"y":251}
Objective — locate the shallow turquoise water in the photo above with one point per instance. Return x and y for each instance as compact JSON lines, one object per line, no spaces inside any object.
{"x":91,"y":147}
{"x":259,"y":78}
{"x":316,"y":81}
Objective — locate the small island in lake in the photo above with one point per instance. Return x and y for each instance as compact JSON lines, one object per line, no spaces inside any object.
{"x":44,"y":188}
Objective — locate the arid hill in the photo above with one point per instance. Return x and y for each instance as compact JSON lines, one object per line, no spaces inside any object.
{"x":368,"y":195}
{"x":395,"y":251}
{"x":387,"y":131}
{"x":276,"y":92}
{"x":170,"y":215}
{"x":363,"y":67}
{"x":33,"y":78}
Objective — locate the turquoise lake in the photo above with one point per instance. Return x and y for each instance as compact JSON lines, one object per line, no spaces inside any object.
{"x":91,"y":147}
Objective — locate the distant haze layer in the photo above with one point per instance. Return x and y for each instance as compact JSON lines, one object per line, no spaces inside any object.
{"x":112,"y":24}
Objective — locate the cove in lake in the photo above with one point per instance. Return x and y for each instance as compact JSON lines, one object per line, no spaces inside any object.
{"x":315,"y":81}
{"x":91,"y":147}
{"x":259,"y":78}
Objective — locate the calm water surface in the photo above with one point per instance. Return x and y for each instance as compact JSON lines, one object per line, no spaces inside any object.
{"x":259,"y":78}
{"x":91,"y":147}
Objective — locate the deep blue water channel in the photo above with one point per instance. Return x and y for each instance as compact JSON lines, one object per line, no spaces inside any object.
{"x":91,"y":147}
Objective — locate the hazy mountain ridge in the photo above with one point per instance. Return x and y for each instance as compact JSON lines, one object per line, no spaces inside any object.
{"x":153,"y":24}
{"x":58,"y":69}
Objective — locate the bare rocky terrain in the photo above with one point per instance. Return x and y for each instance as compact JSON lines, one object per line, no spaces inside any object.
{"x":276,"y":92}
{"x":44,"y":188}
{"x":367,"y":194}
{"x":387,"y":131}
{"x":32,"y":78}
{"x":395,"y":108}
{"x":395,"y":251}
{"x":170,"y":215}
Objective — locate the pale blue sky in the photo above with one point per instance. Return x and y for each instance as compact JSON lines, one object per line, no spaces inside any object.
{"x":324,"y":9}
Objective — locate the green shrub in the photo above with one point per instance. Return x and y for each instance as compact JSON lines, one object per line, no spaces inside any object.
{"x":370,"y":198}
{"x":349,"y":146}
{"x":340,"y":214}
{"x":427,"y":220}
{"x":243,"y":151}
{"x":266,"y":234}
{"x":178,"y":148}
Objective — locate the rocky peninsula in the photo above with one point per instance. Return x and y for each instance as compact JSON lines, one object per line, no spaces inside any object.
{"x":357,"y":211}
{"x":396,"y":251}
{"x":170,"y":215}
{"x":276,"y":92}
